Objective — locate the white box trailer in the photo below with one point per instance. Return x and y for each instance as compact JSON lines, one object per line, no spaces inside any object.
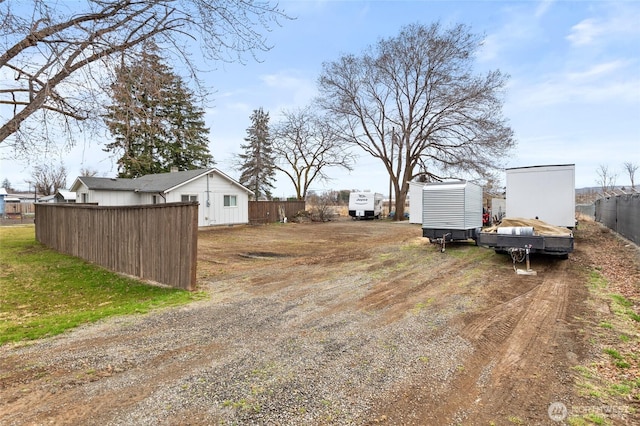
{"x":451,"y":211}
{"x":538,"y":194}
{"x":546,"y":193}
{"x":365,"y":205}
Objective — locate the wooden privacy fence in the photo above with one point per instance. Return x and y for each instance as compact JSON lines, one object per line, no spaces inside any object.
{"x":270,"y":211}
{"x":153,"y":242}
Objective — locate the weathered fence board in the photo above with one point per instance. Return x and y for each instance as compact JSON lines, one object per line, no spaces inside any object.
{"x":153,"y":242}
{"x":269,"y":211}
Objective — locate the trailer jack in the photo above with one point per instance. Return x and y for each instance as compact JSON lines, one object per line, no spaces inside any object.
{"x":443,"y":241}
{"x":522,"y":255}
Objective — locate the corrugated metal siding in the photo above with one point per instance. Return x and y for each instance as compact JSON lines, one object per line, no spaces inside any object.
{"x":452,"y":206}
{"x":473,"y":206}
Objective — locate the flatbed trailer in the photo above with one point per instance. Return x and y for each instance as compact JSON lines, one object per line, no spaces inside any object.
{"x":558,"y":245}
{"x":449,"y":235}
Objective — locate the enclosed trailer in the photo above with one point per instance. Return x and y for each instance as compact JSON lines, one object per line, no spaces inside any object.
{"x":546,"y":193}
{"x":365,"y":205}
{"x":451,"y":211}
{"x":539,"y":199}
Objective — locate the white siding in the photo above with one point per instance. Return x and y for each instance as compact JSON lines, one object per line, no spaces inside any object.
{"x":209,"y":189}
{"x":214,"y":212}
{"x":114,"y":198}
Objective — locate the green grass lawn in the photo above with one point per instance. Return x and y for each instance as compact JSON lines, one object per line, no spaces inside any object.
{"x":43,"y":292}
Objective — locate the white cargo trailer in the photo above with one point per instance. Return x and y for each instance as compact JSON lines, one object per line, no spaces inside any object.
{"x":365,"y":205}
{"x":451,"y":211}
{"x":546,"y":193}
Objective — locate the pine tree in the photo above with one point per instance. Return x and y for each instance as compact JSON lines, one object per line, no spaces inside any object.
{"x":257,"y":162}
{"x":154,"y":120}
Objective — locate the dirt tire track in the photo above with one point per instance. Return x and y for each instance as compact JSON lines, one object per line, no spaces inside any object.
{"x":376,"y":328}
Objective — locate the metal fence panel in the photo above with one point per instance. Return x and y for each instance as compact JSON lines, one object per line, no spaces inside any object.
{"x":587,"y":210}
{"x":628,"y":216}
{"x":621,"y":214}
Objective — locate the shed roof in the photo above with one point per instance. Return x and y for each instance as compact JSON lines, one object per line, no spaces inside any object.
{"x":66,"y":195}
{"x":154,"y":183}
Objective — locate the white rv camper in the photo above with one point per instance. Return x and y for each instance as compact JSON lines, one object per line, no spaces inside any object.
{"x":365,"y":205}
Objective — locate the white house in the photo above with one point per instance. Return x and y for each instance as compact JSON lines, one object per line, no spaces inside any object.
{"x":223,"y":201}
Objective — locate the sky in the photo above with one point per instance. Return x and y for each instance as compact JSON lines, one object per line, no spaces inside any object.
{"x":573,"y":96}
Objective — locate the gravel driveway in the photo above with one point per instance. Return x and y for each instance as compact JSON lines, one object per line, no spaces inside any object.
{"x":338,"y":323}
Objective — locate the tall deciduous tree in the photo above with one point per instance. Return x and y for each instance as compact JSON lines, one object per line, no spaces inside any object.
{"x":631,"y":169}
{"x":154,"y":121}
{"x":58,"y":54}
{"x":256,"y":163}
{"x":48,"y":178}
{"x":605,"y":179}
{"x":414,"y":102}
{"x":305,"y":145}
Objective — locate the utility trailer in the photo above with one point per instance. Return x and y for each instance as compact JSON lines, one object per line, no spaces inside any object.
{"x":533,"y":238}
{"x":365,"y":205}
{"x":451,"y":211}
{"x":540,"y":203}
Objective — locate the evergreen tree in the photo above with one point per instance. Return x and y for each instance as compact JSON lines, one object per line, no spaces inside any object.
{"x":154,"y":120}
{"x":257,"y":163}
{"x":7,"y":185}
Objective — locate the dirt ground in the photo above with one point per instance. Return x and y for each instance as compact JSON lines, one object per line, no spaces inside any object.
{"x":337,"y":323}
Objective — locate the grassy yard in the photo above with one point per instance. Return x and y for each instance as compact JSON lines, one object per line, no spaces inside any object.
{"x":44,"y":293}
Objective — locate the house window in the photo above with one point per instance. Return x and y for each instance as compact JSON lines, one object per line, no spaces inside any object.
{"x":187,"y":198}
{"x":230,"y":201}
{"x":154,"y":199}
{"x":85,"y":197}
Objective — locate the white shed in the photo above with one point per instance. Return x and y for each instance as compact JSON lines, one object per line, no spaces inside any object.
{"x":223,"y":201}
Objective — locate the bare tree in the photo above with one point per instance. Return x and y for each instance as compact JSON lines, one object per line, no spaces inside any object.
{"x":413,"y":102}
{"x":59,"y":56}
{"x":631,"y":168}
{"x":48,"y":178}
{"x":305,"y":145}
{"x":88,"y":171}
{"x":605,"y":179}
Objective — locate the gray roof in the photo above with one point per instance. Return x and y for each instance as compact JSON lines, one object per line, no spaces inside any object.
{"x":160,"y":182}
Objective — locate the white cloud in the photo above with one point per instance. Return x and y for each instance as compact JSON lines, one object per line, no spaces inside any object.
{"x":543,"y":7}
{"x":596,"y":71}
{"x":617,"y":21}
{"x":585,"y":32}
{"x":562,"y":90}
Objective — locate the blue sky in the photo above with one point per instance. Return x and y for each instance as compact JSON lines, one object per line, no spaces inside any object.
{"x":573,"y":95}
